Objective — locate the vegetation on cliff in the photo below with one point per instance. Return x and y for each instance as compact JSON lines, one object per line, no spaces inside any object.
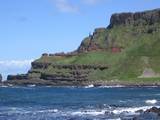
{"x":128,"y":50}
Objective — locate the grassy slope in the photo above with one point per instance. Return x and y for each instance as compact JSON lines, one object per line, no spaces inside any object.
{"x":141,"y":50}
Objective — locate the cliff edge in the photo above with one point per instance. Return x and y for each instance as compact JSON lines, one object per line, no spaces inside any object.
{"x":117,"y":54}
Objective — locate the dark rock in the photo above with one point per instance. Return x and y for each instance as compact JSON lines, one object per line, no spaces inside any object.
{"x":44,"y":54}
{"x":89,"y":43}
{"x":150,"y":114}
{"x":0,"y":78}
{"x":60,"y":54}
{"x":143,"y":18}
{"x":76,"y":72}
{"x":17,"y":77}
{"x":154,"y":110}
{"x":57,"y":78}
{"x":39,"y":65}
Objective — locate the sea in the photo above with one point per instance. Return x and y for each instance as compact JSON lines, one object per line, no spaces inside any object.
{"x":78,"y":103}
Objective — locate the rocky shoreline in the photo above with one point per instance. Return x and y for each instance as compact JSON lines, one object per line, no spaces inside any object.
{"x":153,"y":113}
{"x":42,"y":82}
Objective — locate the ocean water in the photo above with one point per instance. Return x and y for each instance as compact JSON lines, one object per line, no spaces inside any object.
{"x":72,"y":103}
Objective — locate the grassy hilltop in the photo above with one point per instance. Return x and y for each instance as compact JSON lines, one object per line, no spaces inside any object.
{"x":129,"y":47}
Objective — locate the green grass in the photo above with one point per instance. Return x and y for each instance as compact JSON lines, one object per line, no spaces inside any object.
{"x":140,"y":50}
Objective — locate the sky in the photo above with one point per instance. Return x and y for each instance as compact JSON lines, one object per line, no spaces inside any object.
{"x":29,"y":28}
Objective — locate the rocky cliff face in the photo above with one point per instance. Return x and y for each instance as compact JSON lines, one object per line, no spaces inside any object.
{"x":117,"y":50}
{"x":60,"y":75}
{"x":90,"y":43}
{"x":17,"y":77}
{"x":139,"y":18}
{"x":101,"y":40}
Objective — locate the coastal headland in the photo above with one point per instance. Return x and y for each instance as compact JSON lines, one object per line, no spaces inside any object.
{"x":127,"y":52}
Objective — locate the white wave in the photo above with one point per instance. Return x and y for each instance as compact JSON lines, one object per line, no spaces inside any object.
{"x":115,"y":119}
{"x":113,"y":86}
{"x":89,"y":112}
{"x":48,"y":111}
{"x":4,"y":86}
{"x":84,"y":112}
{"x":151,"y":101}
{"x":122,"y":101}
{"x":116,"y":111}
{"x":14,"y":110}
{"x":89,"y":86}
{"x":32,"y":85}
{"x":131,"y":110}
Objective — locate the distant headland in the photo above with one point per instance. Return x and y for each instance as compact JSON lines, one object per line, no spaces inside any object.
{"x":127,"y":52}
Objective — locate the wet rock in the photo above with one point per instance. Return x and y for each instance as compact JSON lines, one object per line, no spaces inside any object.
{"x":153,"y":110}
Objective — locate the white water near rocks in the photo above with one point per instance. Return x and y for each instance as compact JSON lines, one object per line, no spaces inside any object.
{"x":71,"y":103}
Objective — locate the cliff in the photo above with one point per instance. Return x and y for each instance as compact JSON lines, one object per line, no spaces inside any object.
{"x":140,"y":18}
{"x":125,"y":52}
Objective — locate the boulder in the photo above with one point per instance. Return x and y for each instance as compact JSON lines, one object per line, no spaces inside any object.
{"x":153,"y":110}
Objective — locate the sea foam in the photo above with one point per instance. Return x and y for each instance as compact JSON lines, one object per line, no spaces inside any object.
{"x":89,"y":86}
{"x":151,"y":101}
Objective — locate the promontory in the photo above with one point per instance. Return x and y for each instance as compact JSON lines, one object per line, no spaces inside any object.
{"x":127,"y":52}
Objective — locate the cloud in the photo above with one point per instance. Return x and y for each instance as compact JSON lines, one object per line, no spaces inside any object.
{"x":92,"y":2}
{"x":65,"y":6}
{"x":16,"y":63}
{"x":14,"y":67}
{"x":68,"y":6}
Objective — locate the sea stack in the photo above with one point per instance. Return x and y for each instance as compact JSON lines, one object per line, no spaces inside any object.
{"x":0,"y":78}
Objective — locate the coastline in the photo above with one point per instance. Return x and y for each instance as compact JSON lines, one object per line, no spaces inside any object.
{"x":79,"y":84}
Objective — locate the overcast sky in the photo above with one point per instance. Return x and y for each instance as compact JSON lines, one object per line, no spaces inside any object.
{"x":29,"y":28}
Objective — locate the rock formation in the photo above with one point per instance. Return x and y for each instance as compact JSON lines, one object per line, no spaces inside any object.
{"x":139,"y":18}
{"x":135,"y":35}
{"x":17,"y":77}
{"x":89,"y":43}
{"x":153,"y":110}
{"x":152,"y":113}
{"x":0,"y":78}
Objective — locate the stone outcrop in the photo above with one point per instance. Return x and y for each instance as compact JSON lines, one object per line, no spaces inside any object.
{"x":61,"y":54}
{"x":138,"y":18}
{"x":39,"y":65}
{"x":153,"y":110}
{"x":17,"y":77}
{"x":152,"y":113}
{"x":0,"y":78}
{"x":147,"y":18}
{"x":89,"y":43}
{"x":73,"y":74}
{"x":57,"y":69}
